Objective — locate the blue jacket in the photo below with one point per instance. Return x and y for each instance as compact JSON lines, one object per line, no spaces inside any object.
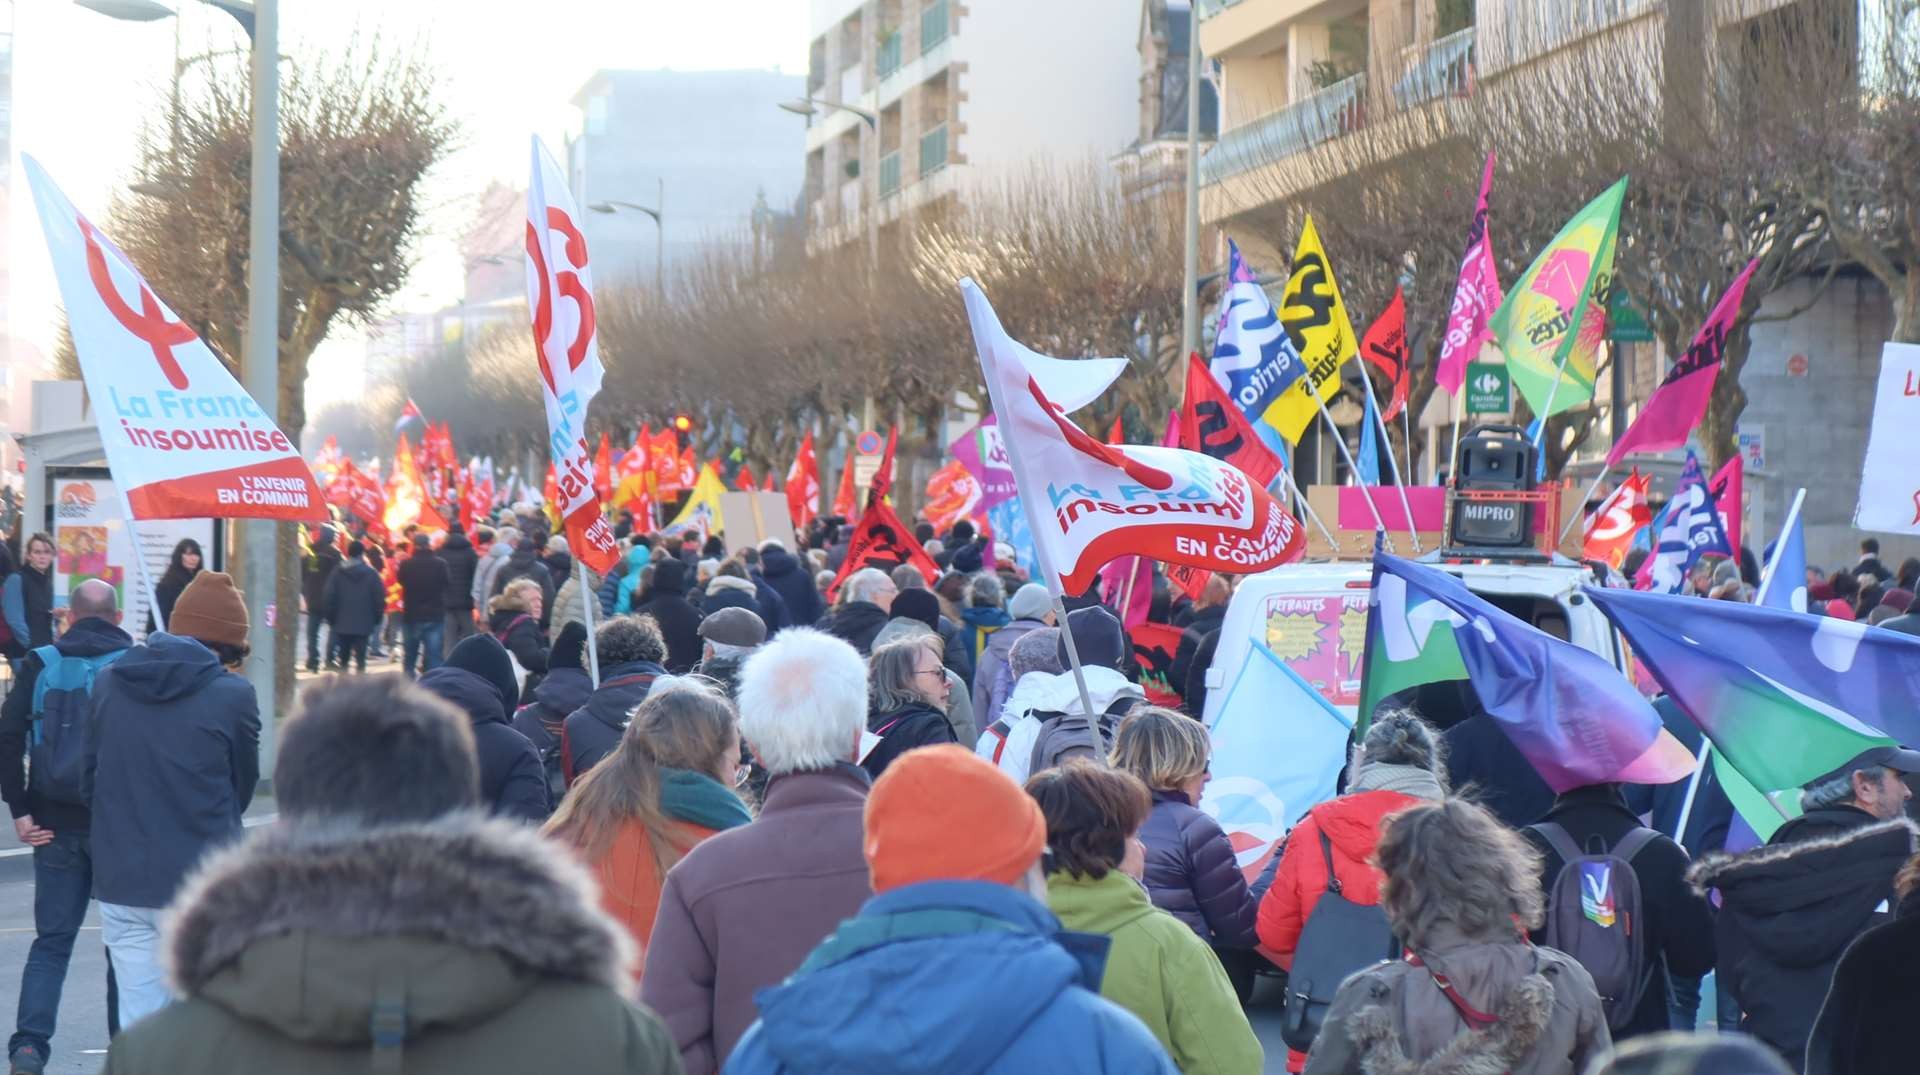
{"x":948,"y":977}
{"x":173,"y":756}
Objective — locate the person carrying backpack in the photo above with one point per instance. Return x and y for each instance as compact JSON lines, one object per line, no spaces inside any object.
{"x":1619,"y":903}
{"x":45,"y":716}
{"x":564,"y":690}
{"x":1103,"y":649}
{"x":1321,"y":918}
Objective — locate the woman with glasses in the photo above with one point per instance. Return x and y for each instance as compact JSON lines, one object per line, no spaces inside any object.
{"x":1192,"y":872}
{"x":909,"y":704}
{"x":667,"y":786}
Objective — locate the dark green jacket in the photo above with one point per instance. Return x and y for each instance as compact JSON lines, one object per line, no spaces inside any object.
{"x":459,"y":946}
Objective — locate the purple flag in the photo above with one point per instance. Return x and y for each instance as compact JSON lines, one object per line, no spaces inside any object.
{"x":984,"y":455}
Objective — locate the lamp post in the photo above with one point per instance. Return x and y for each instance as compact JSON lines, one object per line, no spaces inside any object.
{"x":260,"y":357}
{"x":869,"y":162}
{"x":659,"y":233}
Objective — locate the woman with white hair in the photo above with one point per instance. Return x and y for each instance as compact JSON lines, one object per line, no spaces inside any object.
{"x":1472,"y":994}
{"x":743,"y":908}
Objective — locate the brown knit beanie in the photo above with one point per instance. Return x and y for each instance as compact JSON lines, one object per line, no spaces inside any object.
{"x":210,"y":610}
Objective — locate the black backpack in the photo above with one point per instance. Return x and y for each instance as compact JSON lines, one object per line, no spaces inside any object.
{"x":1067,"y":735}
{"x":1594,"y":915}
{"x":1340,"y":937}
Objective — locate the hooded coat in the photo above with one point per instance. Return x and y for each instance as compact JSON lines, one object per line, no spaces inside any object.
{"x":1158,"y":970}
{"x":462,"y":562}
{"x":173,"y":751}
{"x":355,"y":600}
{"x":953,"y":978}
{"x":1352,"y":826}
{"x":725,"y":591}
{"x":524,"y":562}
{"x":714,"y":945}
{"x":627,"y":589}
{"x":855,"y":622}
{"x":916,"y":724}
{"x":591,"y":732}
{"x":992,"y":675}
{"x":1392,"y":1019}
{"x":791,"y":578}
{"x":512,"y":781}
{"x":1192,"y":874}
{"x":1008,"y":742}
{"x":456,"y":946}
{"x":516,"y":629}
{"x":1790,"y":909}
{"x":678,"y":620}
{"x":570,"y":604}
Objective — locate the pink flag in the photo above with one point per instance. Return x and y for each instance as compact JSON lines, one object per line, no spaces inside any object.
{"x":1728,"y":497}
{"x":1675,"y":407}
{"x":1171,"y":438}
{"x":1475,"y":297}
{"x":1130,"y":603}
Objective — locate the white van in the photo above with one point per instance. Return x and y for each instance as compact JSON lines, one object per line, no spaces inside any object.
{"x":1314,"y":617}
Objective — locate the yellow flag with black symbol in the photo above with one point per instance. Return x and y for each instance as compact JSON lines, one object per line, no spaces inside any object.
{"x":1321,"y":332}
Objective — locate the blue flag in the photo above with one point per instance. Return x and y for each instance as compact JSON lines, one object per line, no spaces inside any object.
{"x":1788,"y":590}
{"x":1690,"y":529}
{"x":1252,"y":354}
{"x":1369,"y":461}
{"x":1573,"y":715}
{"x":1278,"y":748}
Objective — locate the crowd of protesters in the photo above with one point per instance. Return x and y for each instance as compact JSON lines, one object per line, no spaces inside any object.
{"x":736,"y":808}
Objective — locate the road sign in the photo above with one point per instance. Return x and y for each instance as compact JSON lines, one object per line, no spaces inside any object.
{"x":1489,"y":388}
{"x":867,"y":449}
{"x":867,"y":443}
{"x":1625,"y":323}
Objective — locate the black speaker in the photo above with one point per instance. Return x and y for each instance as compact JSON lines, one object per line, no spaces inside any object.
{"x":1493,"y":459}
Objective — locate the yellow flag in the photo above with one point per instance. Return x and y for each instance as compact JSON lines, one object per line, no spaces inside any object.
{"x":1320,"y":330}
{"x":702,"y":510}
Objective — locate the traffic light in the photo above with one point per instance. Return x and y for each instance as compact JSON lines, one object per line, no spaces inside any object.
{"x":682,"y":423}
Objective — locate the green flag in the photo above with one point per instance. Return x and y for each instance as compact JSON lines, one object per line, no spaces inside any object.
{"x":1409,"y":643}
{"x":1554,"y":318}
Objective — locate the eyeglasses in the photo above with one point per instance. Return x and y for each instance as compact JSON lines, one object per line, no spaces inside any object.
{"x":936,"y":670}
{"x":741,"y":773}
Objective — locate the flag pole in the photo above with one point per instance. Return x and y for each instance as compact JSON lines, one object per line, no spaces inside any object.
{"x":1379,"y":522}
{"x":140,"y":562}
{"x":1307,"y":509}
{"x":1580,"y":510}
{"x":1693,"y":788}
{"x":1386,"y":441}
{"x":588,"y":598}
{"x":1779,"y":546}
{"x":1459,"y":417}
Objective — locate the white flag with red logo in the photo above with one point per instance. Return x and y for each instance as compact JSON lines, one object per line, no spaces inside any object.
{"x":181,"y":436}
{"x":560,"y":298}
{"x":1089,"y":502}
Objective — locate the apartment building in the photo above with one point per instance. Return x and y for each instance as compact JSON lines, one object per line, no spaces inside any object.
{"x":1155,"y":165}
{"x":1299,"y":74}
{"x":914,"y":102}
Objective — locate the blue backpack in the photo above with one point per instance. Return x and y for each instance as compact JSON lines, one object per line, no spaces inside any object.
{"x":58,"y":747}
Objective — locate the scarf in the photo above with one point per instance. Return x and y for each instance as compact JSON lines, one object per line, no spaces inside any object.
{"x":1405,"y":779}
{"x":699,"y":799}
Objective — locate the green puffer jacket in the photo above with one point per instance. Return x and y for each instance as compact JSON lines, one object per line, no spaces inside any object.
{"x":458,"y":946}
{"x":1159,"y":970}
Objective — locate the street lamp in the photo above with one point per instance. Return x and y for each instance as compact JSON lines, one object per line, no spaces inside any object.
{"x":260,"y":357}
{"x":808,"y":107}
{"x":659,"y":232}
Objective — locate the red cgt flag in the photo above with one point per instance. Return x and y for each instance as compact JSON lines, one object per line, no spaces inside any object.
{"x":603,"y":469}
{"x":803,"y":484}
{"x":1618,"y":519}
{"x":1385,"y":346}
{"x":743,"y":481}
{"x":665,"y":455}
{"x":1211,"y":424}
{"x":882,"y":483}
{"x":843,"y":497}
{"x":881,"y":540}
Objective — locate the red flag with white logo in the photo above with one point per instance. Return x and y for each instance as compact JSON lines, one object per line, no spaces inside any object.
{"x":181,"y":436}
{"x":1210,"y":423}
{"x":803,"y":484}
{"x":560,"y":299}
{"x":1614,"y":524}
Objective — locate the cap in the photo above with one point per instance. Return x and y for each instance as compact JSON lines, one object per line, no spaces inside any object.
{"x":734,"y":626}
{"x":1899,"y":759}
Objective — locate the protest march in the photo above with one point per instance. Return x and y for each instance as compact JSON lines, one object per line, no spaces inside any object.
{"x":1399,"y":678}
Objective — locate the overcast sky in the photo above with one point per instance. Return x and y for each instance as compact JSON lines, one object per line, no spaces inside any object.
{"x":83,"y":84}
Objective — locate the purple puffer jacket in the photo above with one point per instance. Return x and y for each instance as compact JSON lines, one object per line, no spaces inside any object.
{"x":1191,"y":873}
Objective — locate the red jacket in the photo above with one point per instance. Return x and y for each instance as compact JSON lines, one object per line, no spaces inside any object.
{"x":1352,"y":825}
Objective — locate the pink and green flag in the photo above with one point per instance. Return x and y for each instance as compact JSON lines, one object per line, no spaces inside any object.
{"x":1552,"y":322}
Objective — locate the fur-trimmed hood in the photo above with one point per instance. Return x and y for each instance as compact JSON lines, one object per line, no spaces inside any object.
{"x":1524,"y":1016}
{"x":306,"y":926}
{"x":1801,"y":901}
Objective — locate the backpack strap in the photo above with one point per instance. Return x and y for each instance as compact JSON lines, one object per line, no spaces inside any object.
{"x":1326,"y":851}
{"x":1560,"y":840}
{"x":1632,"y":843}
{"x":999,"y":730}
{"x":49,"y":658}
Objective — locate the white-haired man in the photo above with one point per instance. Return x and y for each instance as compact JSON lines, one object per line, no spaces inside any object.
{"x":866,"y":600}
{"x":776,"y":887}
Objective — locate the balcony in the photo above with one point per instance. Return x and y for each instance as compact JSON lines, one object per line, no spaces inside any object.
{"x":850,"y":83}
{"x":933,"y":25}
{"x":1442,"y":69}
{"x":933,"y":150}
{"x":886,"y":60}
{"x":850,"y":201}
{"x":890,"y":174}
{"x":1319,"y":117}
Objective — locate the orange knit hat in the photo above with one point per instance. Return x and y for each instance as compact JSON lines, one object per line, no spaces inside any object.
{"x":942,"y":814}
